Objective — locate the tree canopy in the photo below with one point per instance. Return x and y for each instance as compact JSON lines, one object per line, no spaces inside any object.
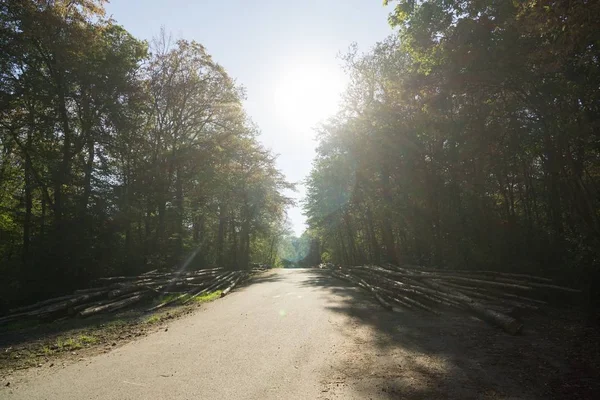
{"x":468,"y":139}
{"x":119,"y":156}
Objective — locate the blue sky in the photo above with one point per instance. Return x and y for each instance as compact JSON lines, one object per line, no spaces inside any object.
{"x":285,"y":53}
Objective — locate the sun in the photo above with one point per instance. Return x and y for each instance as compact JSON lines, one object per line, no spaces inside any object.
{"x":308,"y":93}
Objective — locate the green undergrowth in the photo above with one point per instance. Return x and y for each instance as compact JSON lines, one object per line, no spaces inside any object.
{"x":208,"y":296}
{"x":153,"y":319}
{"x":49,"y":341}
{"x":198,"y":299}
{"x":204,"y":298}
{"x":69,"y":343}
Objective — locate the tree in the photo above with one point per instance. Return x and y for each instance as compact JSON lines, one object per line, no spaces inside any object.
{"x":469,"y":140}
{"x":114,"y":159}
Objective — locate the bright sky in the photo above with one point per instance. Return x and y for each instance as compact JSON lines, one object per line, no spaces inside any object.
{"x":283,"y":52}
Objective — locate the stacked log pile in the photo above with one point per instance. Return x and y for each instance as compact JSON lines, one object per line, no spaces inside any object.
{"x":118,"y":292}
{"x":496,"y":297}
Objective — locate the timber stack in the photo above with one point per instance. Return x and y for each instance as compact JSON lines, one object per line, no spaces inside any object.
{"x":496,"y":297}
{"x":118,"y":292}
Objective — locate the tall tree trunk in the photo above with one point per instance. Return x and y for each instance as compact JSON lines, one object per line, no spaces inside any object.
{"x":234,"y":242}
{"x":28,"y":203}
{"x":87,"y":180}
{"x":63,"y":172}
{"x":179,"y":210}
{"x":351,"y":239}
{"x":386,"y":223}
{"x":161,"y":227}
{"x":245,"y":243}
{"x":271,"y":250}
{"x":86,"y":134}
{"x":554,"y":201}
{"x":43,"y":221}
{"x":374,"y":256}
{"x":198,"y":228}
{"x":147,"y":230}
{"x":221,"y":235}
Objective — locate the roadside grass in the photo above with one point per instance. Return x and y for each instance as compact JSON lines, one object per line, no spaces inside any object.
{"x":28,"y":344}
{"x":74,"y":342}
{"x":204,"y":298}
{"x":208,"y":297}
{"x":86,"y":339}
{"x":198,"y":299}
{"x":65,"y":343}
{"x":117,"y":323}
{"x":153,"y":319}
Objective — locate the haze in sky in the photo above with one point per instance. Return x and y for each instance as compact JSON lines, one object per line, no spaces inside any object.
{"x":284,"y":53}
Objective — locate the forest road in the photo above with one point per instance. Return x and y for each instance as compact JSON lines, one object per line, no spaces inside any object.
{"x":288,"y":334}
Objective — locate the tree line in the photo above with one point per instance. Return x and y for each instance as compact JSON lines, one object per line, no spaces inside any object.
{"x":468,"y":139}
{"x":119,"y":156}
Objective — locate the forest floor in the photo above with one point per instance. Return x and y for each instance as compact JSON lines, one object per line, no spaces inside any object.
{"x":300,"y":334}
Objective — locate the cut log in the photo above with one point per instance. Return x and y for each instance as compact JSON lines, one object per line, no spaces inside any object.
{"x":214,"y":286}
{"x":406,"y":299}
{"x":419,"y":284}
{"x":409,"y":288}
{"x":40,"y":304}
{"x":113,"y":306}
{"x":91,"y":290}
{"x":452,"y":278}
{"x":228,"y":289}
{"x":472,"y":273}
{"x":128,"y":289}
{"x":509,"y":324}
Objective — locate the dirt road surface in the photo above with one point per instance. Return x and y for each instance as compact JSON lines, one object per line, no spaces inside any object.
{"x":299,"y":334}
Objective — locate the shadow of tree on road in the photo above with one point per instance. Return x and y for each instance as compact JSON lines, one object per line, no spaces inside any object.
{"x":268,"y":276}
{"x":417,"y":355}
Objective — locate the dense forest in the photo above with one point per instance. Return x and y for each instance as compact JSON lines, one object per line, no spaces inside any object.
{"x":119,"y":156}
{"x":470,"y":139}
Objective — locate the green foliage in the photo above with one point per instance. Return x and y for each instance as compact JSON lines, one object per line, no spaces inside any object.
{"x":469,"y":140}
{"x":300,"y":251}
{"x":206,"y":297}
{"x":153,"y":319}
{"x":203,"y":298}
{"x":87,"y":339}
{"x":117,"y":157}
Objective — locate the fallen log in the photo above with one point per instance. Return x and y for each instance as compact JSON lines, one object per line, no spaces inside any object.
{"x":477,"y":272}
{"x":63,"y":306}
{"x":489,"y":297}
{"x":92,"y":290}
{"x":406,"y":299}
{"x":454,"y":278}
{"x":229,"y":288}
{"x":40,"y":304}
{"x":509,"y":324}
{"x":187,"y":296}
{"x":113,"y":306}
{"x":215,"y":286}
{"x":506,"y":322}
{"x":126,"y":290}
{"x":410,"y":287}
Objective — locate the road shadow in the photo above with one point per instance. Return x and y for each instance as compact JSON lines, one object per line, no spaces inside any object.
{"x":268,"y":276}
{"x":418,"y":355}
